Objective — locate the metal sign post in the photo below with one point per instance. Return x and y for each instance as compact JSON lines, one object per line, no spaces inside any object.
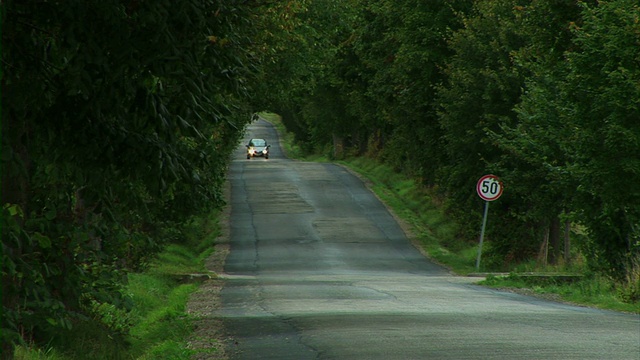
{"x":489,"y":188}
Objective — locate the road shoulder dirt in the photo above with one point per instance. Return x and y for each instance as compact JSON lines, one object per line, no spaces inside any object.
{"x":208,"y":340}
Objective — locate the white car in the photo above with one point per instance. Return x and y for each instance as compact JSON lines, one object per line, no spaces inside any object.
{"x":258,"y":147}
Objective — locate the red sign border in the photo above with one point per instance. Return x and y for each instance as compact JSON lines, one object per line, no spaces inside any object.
{"x":490,"y":176}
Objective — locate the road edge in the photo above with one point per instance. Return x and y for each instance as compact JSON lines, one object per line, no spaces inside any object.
{"x":208,"y":340}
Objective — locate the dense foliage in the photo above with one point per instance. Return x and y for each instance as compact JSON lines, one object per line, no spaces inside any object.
{"x":601,"y":95}
{"x":543,"y":93}
{"x":118,"y":119}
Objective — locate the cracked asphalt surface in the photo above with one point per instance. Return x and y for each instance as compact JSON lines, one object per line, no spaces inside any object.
{"x":319,"y":269}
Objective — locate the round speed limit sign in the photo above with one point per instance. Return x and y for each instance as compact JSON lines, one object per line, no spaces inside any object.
{"x":489,"y":187}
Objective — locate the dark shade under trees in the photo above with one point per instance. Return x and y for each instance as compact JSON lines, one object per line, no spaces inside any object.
{"x":118,"y":118}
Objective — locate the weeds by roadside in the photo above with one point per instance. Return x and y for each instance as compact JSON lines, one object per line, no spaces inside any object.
{"x":592,"y":290}
{"x":159,"y":326}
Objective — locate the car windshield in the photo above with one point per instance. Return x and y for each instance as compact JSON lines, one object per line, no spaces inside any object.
{"x":258,"y":142}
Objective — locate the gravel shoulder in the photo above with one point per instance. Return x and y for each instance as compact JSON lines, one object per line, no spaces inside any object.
{"x":208,"y":340}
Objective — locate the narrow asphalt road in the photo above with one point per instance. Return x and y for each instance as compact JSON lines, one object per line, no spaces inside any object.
{"x":319,"y":269}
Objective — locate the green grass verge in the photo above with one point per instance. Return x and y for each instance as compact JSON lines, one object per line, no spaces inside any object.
{"x":594,"y":291}
{"x":162,"y":326}
{"x":287,"y":140}
{"x":158,"y":324}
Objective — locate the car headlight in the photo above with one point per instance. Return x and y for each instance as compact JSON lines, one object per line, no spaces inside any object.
{"x":264,"y":151}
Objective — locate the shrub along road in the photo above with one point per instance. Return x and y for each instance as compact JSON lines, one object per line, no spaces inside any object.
{"x":319,"y":269}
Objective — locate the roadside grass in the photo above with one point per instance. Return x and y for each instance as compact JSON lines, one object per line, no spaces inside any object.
{"x":436,"y":234}
{"x":162,"y":292}
{"x":592,"y":290}
{"x":287,"y":139}
{"x":161,"y":323}
{"x":34,"y":353}
{"x":158,"y":326}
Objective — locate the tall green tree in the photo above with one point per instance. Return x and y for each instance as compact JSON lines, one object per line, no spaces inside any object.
{"x":602,"y":99}
{"x":484,"y":85}
{"x":286,"y":41}
{"x":325,"y":114}
{"x":535,"y":146}
{"x":381,"y":81}
{"x":406,"y":87}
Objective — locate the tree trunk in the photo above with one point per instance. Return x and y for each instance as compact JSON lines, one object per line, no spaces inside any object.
{"x":544,"y":248}
{"x":567,"y":242}
{"x":554,"y":240}
{"x":338,"y":146}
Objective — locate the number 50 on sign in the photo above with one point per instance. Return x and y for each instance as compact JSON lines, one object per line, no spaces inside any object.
{"x":489,"y":187}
